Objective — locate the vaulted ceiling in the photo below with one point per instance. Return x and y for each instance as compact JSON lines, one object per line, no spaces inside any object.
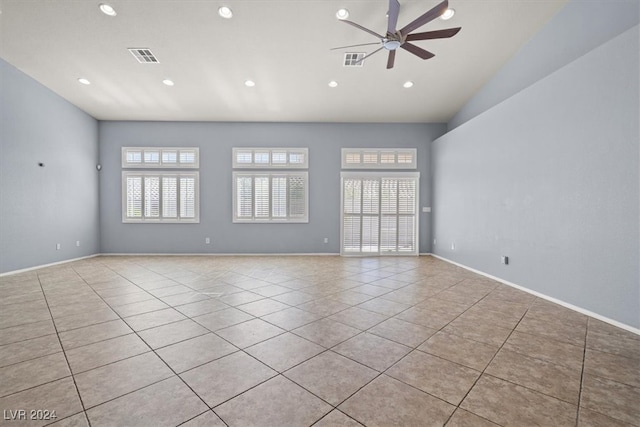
{"x":282,"y":45}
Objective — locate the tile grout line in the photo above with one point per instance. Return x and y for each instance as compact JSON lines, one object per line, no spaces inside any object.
{"x":584,"y":359}
{"x":157,"y":355}
{"x":73,"y":378}
{"x":487,"y":365}
{"x":318,"y":297}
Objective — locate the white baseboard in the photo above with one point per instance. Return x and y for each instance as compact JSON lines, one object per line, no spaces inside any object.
{"x":24,"y":270}
{"x":221,"y":254}
{"x":546,"y":297}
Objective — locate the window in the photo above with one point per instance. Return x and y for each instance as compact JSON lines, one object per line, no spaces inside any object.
{"x":372,"y":158}
{"x":160,"y":158}
{"x":270,"y":197}
{"x":270,"y":158}
{"x":379,"y":213}
{"x":159,"y":195}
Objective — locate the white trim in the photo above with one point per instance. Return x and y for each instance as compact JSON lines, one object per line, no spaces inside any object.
{"x":378,"y":153}
{"x":383,"y":174}
{"x":269,"y":151}
{"x":160,"y":164}
{"x":546,"y":297}
{"x":24,"y":270}
{"x":266,"y":254}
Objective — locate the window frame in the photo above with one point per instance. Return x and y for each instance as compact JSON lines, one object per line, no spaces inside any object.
{"x":160,"y":164}
{"x":161,"y":175}
{"x":271,"y":220}
{"x":378,"y":153}
{"x":270,"y":164}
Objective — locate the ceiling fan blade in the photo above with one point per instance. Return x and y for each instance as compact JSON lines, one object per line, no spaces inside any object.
{"x":368,"y":55}
{"x":391,"y":60}
{"x":353,"y":45}
{"x":373,"y":33}
{"x":427,"y":17}
{"x":418,"y":51}
{"x":394,"y":10}
{"x":430,"y":35}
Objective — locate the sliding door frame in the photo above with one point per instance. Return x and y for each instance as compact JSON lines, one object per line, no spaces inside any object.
{"x":380,"y":176}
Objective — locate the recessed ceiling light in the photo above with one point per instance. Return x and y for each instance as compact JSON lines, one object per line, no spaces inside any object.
{"x":447,"y":14}
{"x":342,"y":14}
{"x":84,"y":81}
{"x":168,"y":82}
{"x":408,"y":84}
{"x":225,"y":12}
{"x":333,"y":83}
{"x":249,"y":83}
{"x":108,"y":9}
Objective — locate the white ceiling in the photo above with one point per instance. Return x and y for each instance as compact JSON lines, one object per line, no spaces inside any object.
{"x":283,"y":45}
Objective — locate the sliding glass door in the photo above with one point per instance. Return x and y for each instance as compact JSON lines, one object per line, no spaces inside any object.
{"x":379,"y":213}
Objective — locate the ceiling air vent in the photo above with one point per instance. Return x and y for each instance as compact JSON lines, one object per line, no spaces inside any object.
{"x":144,"y":56}
{"x":351,"y":59}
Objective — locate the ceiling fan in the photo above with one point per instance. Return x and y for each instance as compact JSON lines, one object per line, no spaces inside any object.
{"x":395,"y":38}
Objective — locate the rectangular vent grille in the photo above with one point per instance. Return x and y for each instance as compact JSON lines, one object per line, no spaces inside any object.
{"x":351,"y":59}
{"x":144,"y":56}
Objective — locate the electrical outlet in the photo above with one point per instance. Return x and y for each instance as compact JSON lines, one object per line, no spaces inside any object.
{"x":78,"y":243}
{"x":326,"y":240}
{"x":434,"y":242}
{"x":207,"y":240}
{"x":453,"y":246}
{"x":58,"y":246}
{"x":504,"y":260}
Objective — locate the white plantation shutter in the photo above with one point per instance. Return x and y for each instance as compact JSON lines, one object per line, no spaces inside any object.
{"x":244,"y":196}
{"x":379,"y":213}
{"x":159,"y":158}
{"x":188,"y":157}
{"x":370,"y":196}
{"x":152,"y":157}
{"x":351,"y":208}
{"x":297,"y":196}
{"x":374,"y":158}
{"x":187,"y":197}
{"x":133,"y":157}
{"x":134,"y":197}
{"x":270,"y":158}
{"x":351,"y":234}
{"x":370,"y":234}
{"x":169,"y":157}
{"x":169,"y":197}
{"x":261,"y":197}
{"x":243,"y":157}
{"x":352,"y":196}
{"x":265,"y":196}
{"x":261,"y":157}
{"x":160,"y":197}
{"x":278,"y":157}
{"x":277,"y":197}
{"x":152,"y":197}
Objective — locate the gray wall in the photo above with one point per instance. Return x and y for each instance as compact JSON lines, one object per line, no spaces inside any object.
{"x":57,"y":203}
{"x":215,"y":141}
{"x":550,"y":178}
{"x":575,"y":30}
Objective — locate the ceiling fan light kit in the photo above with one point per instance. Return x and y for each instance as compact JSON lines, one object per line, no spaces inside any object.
{"x":395,"y":38}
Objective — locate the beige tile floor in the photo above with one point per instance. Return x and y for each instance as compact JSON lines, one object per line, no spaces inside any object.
{"x":299,"y":341}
